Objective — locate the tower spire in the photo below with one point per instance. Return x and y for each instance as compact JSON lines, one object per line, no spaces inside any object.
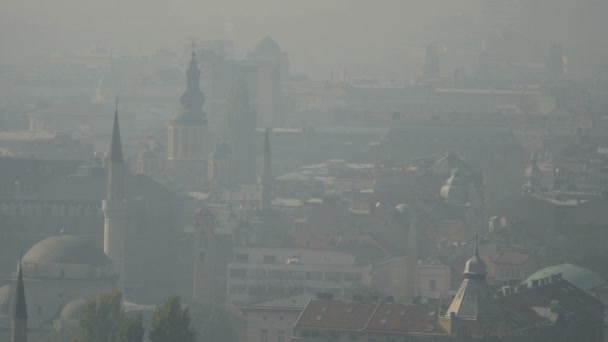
{"x":20,"y":309}
{"x":476,"y":252}
{"x":116,"y":149}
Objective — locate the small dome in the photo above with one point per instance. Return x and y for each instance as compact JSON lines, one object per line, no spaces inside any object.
{"x":5,"y":298}
{"x":71,"y":311}
{"x":65,"y":249}
{"x":266,"y":49}
{"x":455,"y":189}
{"x":475,"y":266}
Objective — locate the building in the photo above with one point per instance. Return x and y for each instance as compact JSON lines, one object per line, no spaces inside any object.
{"x":187,"y":138}
{"x":549,"y":309}
{"x":273,"y":320}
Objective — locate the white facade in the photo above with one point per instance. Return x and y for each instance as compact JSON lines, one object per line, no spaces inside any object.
{"x":263,"y":273}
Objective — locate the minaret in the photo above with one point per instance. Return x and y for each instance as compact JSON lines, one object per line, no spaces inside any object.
{"x":20,"y":310}
{"x":266,"y":179}
{"x":115,"y":206}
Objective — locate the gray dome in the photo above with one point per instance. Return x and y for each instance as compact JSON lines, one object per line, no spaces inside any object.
{"x":65,"y":249}
{"x":455,"y":189}
{"x":71,"y":312}
{"x":475,"y":267}
{"x":5,"y":298}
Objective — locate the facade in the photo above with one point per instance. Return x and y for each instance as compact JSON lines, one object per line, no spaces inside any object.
{"x":272,"y":321}
{"x":551,"y":309}
{"x":259,"y":273}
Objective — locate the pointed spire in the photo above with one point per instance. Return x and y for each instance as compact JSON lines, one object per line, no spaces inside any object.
{"x":20,"y":308}
{"x":116,"y":148}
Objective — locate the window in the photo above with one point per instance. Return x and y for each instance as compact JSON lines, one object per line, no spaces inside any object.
{"x":352,"y":276}
{"x":314,"y":275}
{"x":201,"y":256}
{"x":281,"y":336}
{"x":433,"y":285}
{"x":242,"y":257}
{"x":464,"y":332}
{"x":263,"y":335}
{"x":270,"y":259}
{"x":238,"y":273}
{"x":353,"y":337}
{"x":334,"y":276}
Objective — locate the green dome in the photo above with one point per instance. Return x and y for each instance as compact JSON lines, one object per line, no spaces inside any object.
{"x":578,"y":276}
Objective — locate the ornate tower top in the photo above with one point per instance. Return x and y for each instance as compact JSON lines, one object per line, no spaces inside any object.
{"x":193,"y":99}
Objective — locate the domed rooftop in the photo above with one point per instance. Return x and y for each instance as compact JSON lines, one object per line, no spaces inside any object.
{"x":475,"y":267}
{"x":579,"y":276}
{"x":267,"y":48}
{"x":65,"y":249}
{"x":5,"y":298}
{"x":71,"y":312}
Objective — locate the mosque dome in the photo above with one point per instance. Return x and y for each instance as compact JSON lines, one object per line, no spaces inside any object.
{"x":65,"y":249}
{"x":579,"y":276}
{"x":71,"y":311}
{"x":266,"y":49}
{"x":5,"y":298}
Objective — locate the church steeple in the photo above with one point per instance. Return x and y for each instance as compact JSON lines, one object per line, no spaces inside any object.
{"x":20,"y":310}
{"x":193,"y":98}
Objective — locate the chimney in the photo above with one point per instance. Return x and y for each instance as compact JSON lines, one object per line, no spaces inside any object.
{"x":554,"y":278}
{"x":535,"y":282}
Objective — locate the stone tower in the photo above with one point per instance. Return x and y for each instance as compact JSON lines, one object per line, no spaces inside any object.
{"x":266,"y":178}
{"x":20,"y":310}
{"x":115,"y":206}
{"x":474,"y":312}
{"x":188,"y":127}
{"x":204,"y":252}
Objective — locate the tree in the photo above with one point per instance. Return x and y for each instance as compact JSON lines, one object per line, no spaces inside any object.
{"x":131,"y":329}
{"x":171,"y":322}
{"x":213,"y":322}
{"x":102,"y":319}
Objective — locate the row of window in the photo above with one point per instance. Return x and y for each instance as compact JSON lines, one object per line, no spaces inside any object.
{"x":273,"y":291}
{"x":294,"y":275}
{"x":335,"y":336}
{"x":264,"y":335}
{"x":71,"y":211}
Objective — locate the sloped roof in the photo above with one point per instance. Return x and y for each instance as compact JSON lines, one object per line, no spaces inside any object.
{"x":370,"y":316}
{"x":474,"y":300}
{"x":298,"y":302}
{"x":578,"y":276}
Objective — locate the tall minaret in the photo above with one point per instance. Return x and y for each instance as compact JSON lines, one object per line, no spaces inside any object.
{"x":115,"y":207}
{"x":20,"y":310}
{"x":266,"y":179}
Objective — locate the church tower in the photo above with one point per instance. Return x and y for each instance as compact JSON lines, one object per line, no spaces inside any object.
{"x":266,"y":178}
{"x":188,"y":127}
{"x":20,"y":310}
{"x":204,"y":252}
{"x":474,"y":312}
{"x":115,"y":206}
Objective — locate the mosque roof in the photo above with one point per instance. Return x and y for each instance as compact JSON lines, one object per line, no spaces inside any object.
{"x":65,"y":249}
